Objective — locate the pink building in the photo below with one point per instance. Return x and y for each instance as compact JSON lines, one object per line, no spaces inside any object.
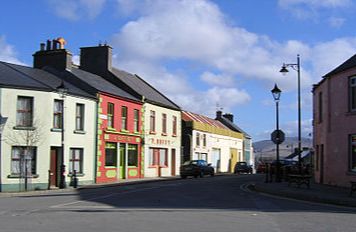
{"x":334,"y":121}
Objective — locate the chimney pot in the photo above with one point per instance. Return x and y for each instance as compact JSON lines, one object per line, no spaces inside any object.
{"x":48,"y":45}
{"x":54,"y":44}
{"x":218,"y":114}
{"x":42,"y":46}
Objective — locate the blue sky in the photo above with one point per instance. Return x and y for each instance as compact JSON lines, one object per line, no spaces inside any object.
{"x":200,"y":53}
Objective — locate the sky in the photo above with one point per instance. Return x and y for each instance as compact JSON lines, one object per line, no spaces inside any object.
{"x":204,"y":55}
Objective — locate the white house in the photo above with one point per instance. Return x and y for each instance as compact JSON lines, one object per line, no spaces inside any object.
{"x":31,"y":139}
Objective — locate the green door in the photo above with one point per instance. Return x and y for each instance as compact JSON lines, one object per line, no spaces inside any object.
{"x":122,"y":160}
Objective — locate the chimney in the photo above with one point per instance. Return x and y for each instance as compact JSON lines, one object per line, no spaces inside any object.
{"x":218,"y":114}
{"x":42,"y":46}
{"x":96,"y":60}
{"x":60,"y":59}
{"x":229,"y":116}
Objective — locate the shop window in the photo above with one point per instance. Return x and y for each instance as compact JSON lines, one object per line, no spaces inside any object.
{"x":132,"y":159}
{"x":158,"y":157}
{"x":353,"y":153}
{"x":111,"y":154}
{"x":76,"y":160}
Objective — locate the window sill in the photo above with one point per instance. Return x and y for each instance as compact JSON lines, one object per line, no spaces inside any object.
{"x":110,"y":167}
{"x":24,"y":128}
{"x":350,"y":113}
{"x":124,"y":131}
{"x":110,"y":129}
{"x":78,"y":175}
{"x":56,"y":129}
{"x":152,"y":132}
{"x":79,"y":132}
{"x":16,"y":176}
{"x":174,"y":135}
{"x":164,"y":134}
{"x":157,"y":166}
{"x":351,"y":173}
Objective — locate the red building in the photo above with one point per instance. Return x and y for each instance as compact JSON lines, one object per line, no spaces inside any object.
{"x":119,"y":139}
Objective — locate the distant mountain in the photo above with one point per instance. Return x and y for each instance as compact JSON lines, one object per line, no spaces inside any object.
{"x":266,"y":149}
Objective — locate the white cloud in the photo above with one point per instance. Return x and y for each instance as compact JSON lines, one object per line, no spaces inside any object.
{"x":75,"y":10}
{"x":336,"y":22}
{"x":217,"y":80}
{"x":7,"y":52}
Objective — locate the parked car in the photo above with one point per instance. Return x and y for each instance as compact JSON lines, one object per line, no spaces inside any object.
{"x":196,"y":168}
{"x":242,"y":167}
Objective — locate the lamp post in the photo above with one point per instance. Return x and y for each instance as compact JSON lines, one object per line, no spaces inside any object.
{"x":62,"y":91}
{"x":276,"y":92}
{"x":284,"y":70}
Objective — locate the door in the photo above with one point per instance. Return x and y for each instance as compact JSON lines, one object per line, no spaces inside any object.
{"x":233,"y":159}
{"x":173,"y":162}
{"x":54,"y":167}
{"x":122,"y":161}
{"x":215,"y":159}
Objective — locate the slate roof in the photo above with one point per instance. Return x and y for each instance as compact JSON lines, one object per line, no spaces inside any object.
{"x":189,"y":116}
{"x":142,"y":88}
{"x":19,"y":76}
{"x":90,"y":82}
{"x":232,"y":126}
{"x":350,"y":63}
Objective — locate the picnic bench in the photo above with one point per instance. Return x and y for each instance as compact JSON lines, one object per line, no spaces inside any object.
{"x":299,"y":179}
{"x":353,"y":187}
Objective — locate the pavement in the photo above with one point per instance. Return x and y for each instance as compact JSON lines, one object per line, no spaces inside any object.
{"x":319,"y":193}
{"x":316,"y":193}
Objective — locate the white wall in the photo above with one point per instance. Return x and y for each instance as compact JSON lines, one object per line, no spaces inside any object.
{"x":43,"y":118}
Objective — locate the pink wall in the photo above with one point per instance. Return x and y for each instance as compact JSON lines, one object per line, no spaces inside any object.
{"x":334,"y":130}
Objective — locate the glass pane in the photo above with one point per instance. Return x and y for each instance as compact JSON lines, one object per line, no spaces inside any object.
{"x":132,"y":155}
{"x":162,"y":157}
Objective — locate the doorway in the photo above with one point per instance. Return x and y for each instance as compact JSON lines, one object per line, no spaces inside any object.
{"x":122,"y":161}
{"x":55,"y":162}
{"x":173,"y":163}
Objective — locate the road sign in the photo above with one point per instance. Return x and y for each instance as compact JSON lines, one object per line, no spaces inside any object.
{"x":278,"y":136}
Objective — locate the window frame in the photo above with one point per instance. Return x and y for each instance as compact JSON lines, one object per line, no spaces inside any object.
{"x":136,"y":120}
{"x":57,"y":114}
{"x":352,"y":156}
{"x":80,"y":160}
{"x":124,"y":114}
{"x":24,"y":113}
{"x":164,"y":124}
{"x":110,"y":115}
{"x":152,"y":121}
{"x":114,"y":160}
{"x":33,"y":164}
{"x":79,"y":118}
{"x":352,"y":94}
{"x":197,"y":139}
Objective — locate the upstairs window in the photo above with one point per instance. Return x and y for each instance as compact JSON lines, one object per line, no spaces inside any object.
{"x":174,"y":126}
{"x":204,"y":140}
{"x":57,"y":114}
{"x":79,"y":117}
{"x":136,"y":120}
{"x":123,"y":118}
{"x":352,"y":85}
{"x":353,"y":153}
{"x":197,"y":139}
{"x":152,"y":121}
{"x":164,"y":124}
{"x":110,"y":115}
{"x":24,"y":113}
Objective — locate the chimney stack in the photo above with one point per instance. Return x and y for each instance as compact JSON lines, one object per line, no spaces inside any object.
{"x":229,"y":116}
{"x":60,"y":59}
{"x":97,"y":60}
{"x":218,"y":114}
{"x":42,"y":46}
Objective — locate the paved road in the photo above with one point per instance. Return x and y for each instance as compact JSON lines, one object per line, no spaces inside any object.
{"x":207,"y":204}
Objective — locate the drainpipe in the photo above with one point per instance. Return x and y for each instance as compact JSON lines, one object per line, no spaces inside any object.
{"x":96,"y":139}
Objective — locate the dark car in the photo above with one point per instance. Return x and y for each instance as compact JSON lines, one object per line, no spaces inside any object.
{"x":196,"y":168}
{"x":242,"y":167}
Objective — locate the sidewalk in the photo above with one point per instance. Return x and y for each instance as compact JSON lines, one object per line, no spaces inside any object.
{"x":316,"y":193}
{"x":92,"y":186}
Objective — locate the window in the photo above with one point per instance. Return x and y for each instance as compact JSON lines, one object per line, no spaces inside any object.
{"x":76,"y":160}
{"x":136,"y":121}
{"x":320,"y":107}
{"x":123,"y":118}
{"x":110,"y":154}
{"x":164,"y":124}
{"x":57,"y":114}
{"x":353,"y":153}
{"x":24,"y":111}
{"x":132,"y":156}
{"x":23,"y":161}
{"x":204,"y":140}
{"x":174,"y":126}
{"x":110,"y":115}
{"x":197,"y":139}
{"x":79,"y":117}
{"x":352,"y":91}
{"x":152,"y":121}
{"x":158,"y":156}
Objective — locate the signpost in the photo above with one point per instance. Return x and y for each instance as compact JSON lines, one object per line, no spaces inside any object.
{"x":277,"y":136}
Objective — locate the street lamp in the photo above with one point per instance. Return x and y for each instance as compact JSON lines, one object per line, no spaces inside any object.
{"x":62,"y":91}
{"x":276,"y":92}
{"x":284,"y":70}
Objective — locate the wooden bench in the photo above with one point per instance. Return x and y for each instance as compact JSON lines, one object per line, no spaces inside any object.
{"x":353,"y":187}
{"x":299,"y":180}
